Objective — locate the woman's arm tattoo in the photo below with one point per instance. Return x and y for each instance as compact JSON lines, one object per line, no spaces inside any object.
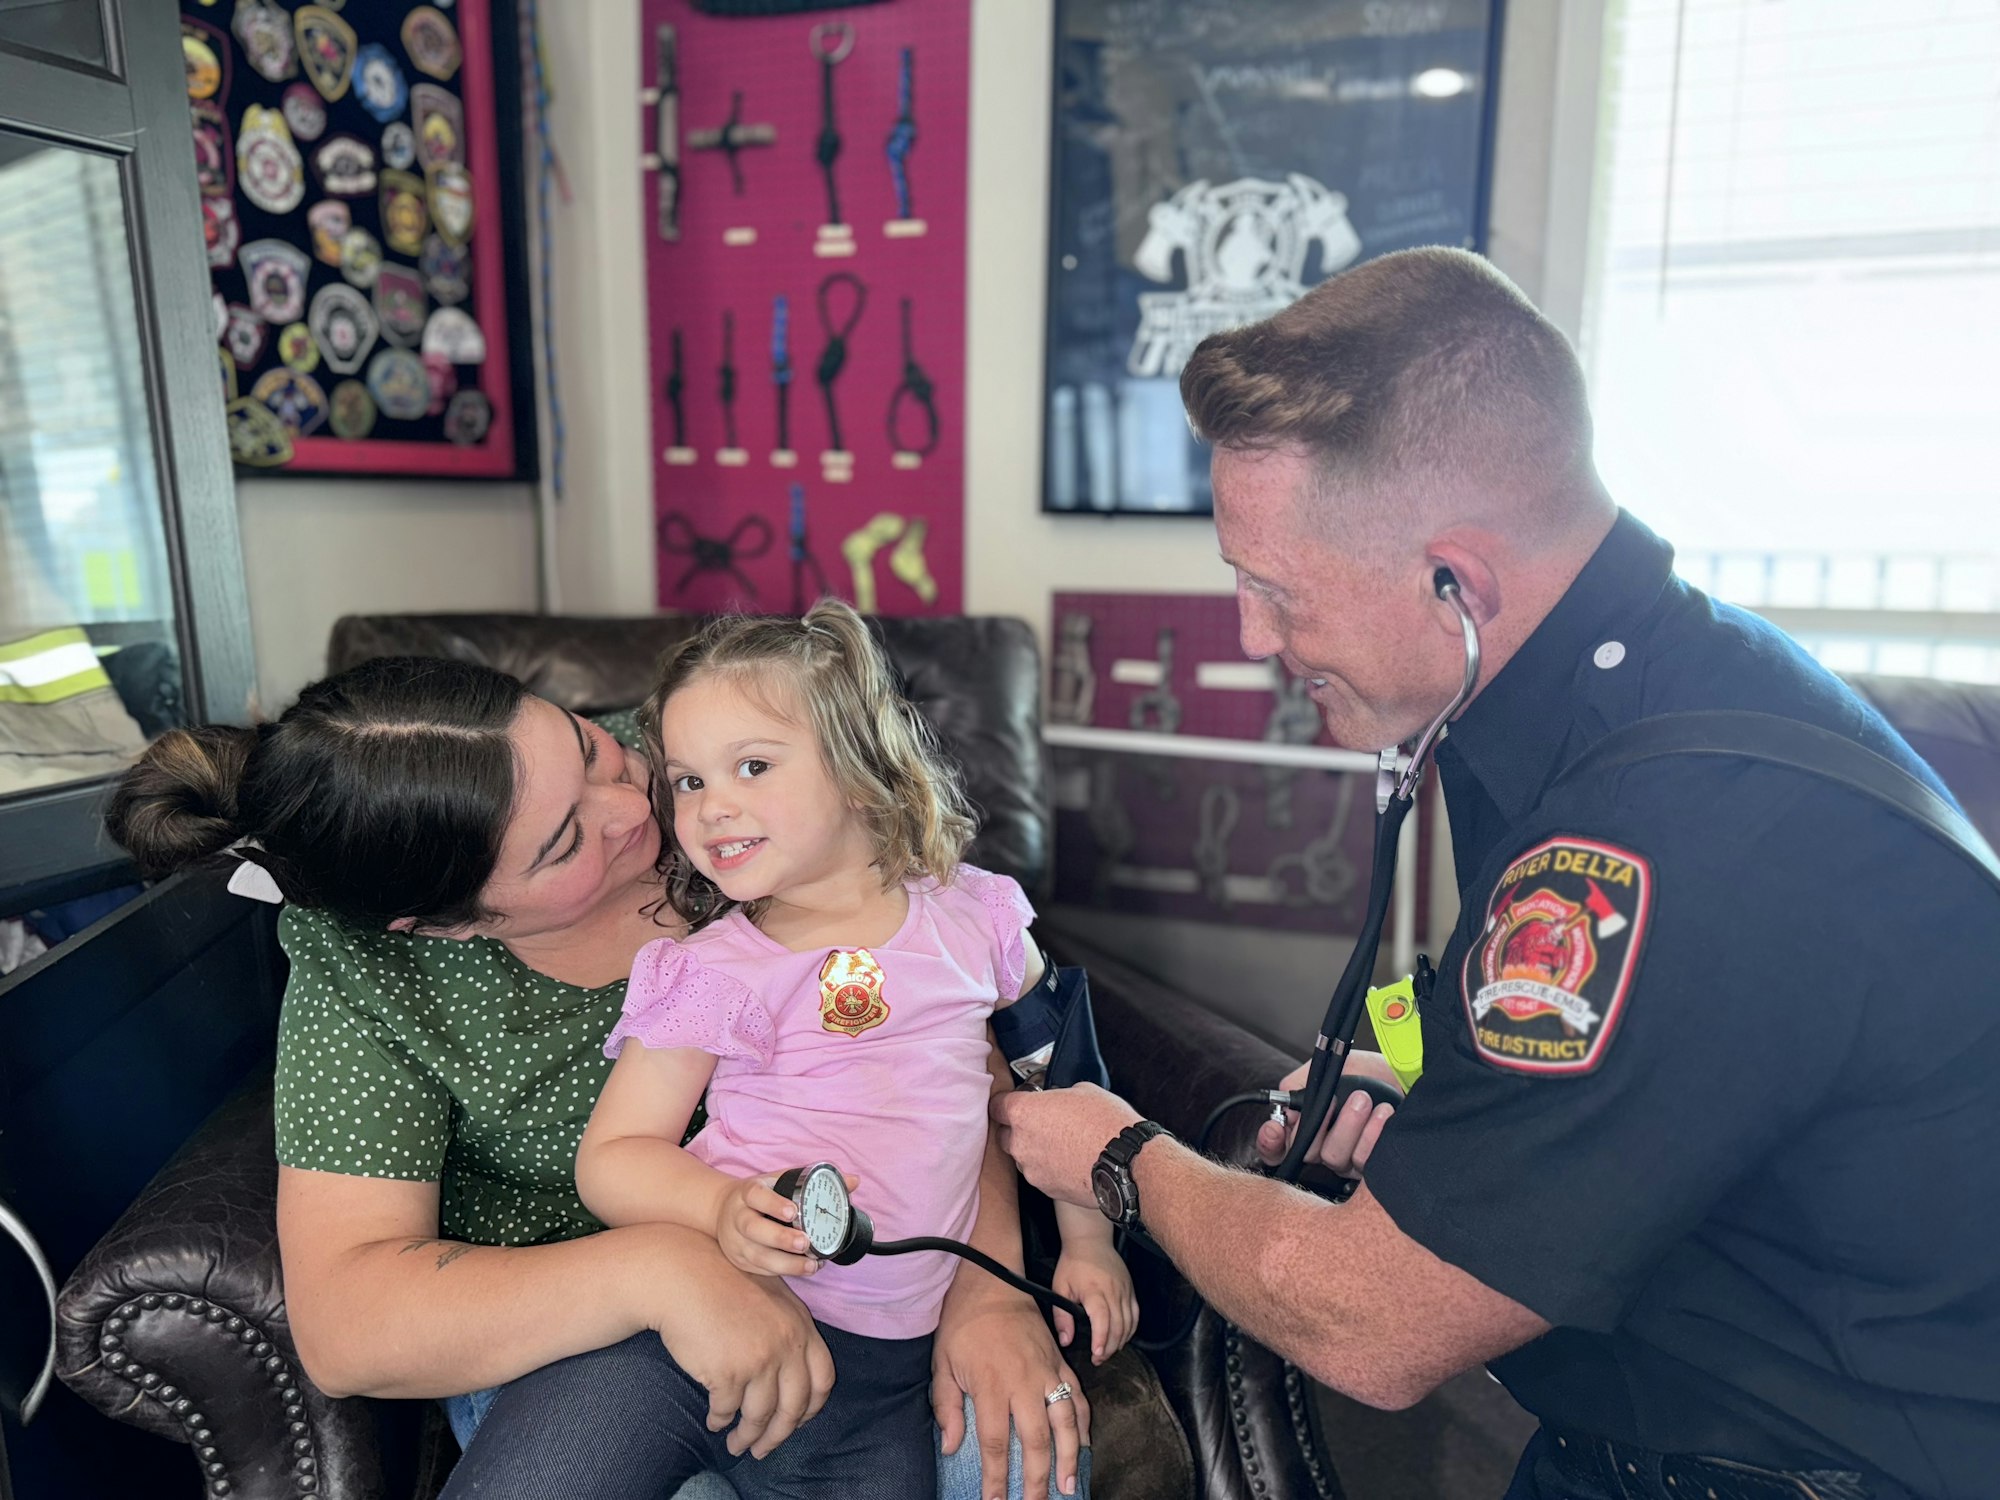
{"x":453,"y":1250}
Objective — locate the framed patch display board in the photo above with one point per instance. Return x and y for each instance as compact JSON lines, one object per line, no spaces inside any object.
{"x":1210,"y":160}
{"x":805,"y":203}
{"x":360,"y":177}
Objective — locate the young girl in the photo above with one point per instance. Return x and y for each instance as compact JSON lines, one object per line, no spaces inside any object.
{"x":833,"y":1003}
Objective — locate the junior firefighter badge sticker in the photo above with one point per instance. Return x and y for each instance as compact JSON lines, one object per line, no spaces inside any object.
{"x":850,"y":992}
{"x":1547,"y":978}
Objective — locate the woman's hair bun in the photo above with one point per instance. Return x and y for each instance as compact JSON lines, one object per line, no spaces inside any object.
{"x":178,"y":805}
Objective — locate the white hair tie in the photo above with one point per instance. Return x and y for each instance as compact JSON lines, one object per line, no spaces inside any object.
{"x":250,"y":879}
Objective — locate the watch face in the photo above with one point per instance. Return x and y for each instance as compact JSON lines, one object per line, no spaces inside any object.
{"x":824,"y":1212}
{"x":1110,"y":1200}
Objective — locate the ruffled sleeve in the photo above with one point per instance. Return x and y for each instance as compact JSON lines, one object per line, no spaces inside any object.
{"x":676,"y":1000}
{"x":1008,"y":910}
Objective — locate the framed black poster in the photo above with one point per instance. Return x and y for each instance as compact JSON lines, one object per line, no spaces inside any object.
{"x":1210,"y":160}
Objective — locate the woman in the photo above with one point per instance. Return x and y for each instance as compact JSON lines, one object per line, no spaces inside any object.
{"x":469,"y":872}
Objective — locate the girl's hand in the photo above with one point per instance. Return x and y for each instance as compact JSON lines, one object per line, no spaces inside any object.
{"x":755,"y":1228}
{"x":1092,"y":1273}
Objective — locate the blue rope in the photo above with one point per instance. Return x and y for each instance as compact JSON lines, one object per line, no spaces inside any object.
{"x":531,"y":47}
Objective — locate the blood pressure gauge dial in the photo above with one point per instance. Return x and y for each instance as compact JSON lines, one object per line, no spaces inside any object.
{"x":834,"y":1228}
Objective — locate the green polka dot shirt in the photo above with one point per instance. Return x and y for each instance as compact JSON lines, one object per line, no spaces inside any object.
{"x":434,"y":1060}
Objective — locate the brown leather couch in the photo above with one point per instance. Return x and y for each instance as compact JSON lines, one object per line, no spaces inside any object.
{"x":176,"y":1321}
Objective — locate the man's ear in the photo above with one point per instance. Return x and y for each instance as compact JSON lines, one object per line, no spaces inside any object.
{"x":1478,"y":584}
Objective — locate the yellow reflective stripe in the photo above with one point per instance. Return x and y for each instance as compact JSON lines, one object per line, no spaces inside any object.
{"x":35,"y":645}
{"x":49,"y":667}
{"x":53,"y":692}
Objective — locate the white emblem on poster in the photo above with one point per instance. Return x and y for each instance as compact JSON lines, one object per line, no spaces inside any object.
{"x":1245,"y":247}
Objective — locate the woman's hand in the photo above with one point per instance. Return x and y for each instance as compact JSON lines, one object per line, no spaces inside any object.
{"x":755,"y":1228}
{"x":752,"y":1345}
{"x":1351,"y":1131}
{"x":993,"y":1346}
{"x":1091,"y":1272}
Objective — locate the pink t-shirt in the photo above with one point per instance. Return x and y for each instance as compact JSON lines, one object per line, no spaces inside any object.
{"x":879,"y":1069}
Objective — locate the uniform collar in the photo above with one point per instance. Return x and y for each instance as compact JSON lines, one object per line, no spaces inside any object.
{"x":1514,"y":735}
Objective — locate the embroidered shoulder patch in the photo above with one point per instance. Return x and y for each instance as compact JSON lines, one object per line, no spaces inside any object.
{"x":1548,"y":975}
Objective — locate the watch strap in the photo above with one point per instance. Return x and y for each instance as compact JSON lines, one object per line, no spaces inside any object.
{"x":1126,"y":1144}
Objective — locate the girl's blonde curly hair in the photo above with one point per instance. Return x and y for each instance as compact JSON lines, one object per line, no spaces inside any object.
{"x":881,"y":753}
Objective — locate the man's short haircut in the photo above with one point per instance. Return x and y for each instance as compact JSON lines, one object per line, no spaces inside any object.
{"x":1423,"y":369}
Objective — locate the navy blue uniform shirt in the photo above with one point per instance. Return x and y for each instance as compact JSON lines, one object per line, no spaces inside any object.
{"x":1712,"y":1068}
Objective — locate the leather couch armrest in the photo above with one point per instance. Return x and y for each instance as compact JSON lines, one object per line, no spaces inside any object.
{"x":1172,"y":1058}
{"x":1251,"y":1417}
{"x":175,"y":1322}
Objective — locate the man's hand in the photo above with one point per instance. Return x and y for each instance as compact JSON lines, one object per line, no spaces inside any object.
{"x":1055,"y":1137}
{"x":1351,"y":1131}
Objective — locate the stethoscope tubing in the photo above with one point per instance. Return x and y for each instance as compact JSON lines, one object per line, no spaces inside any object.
{"x":1343,"y":1010}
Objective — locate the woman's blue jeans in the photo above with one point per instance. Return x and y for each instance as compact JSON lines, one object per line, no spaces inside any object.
{"x":957,"y":1476}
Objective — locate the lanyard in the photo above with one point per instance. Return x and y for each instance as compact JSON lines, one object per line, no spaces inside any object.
{"x":726,"y":379}
{"x":916,"y":387}
{"x":676,"y":387}
{"x":710,"y":554}
{"x":831,"y":41}
{"x":903,"y":134}
{"x":803,"y":561}
{"x":834,"y":356}
{"x":781,"y":367}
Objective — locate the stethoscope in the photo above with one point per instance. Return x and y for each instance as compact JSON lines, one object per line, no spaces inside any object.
{"x":1395,"y":793}
{"x":838,"y":1231}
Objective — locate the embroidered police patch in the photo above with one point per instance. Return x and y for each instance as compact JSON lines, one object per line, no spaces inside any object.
{"x":1547,"y":977}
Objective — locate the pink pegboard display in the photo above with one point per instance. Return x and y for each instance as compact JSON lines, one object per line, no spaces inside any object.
{"x":1196,"y":839}
{"x":807,"y":316}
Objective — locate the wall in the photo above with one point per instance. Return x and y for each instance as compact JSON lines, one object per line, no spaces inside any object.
{"x":603,"y":528}
{"x":315,"y":549}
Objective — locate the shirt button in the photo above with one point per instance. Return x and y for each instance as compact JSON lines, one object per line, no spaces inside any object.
{"x":1609,"y":654}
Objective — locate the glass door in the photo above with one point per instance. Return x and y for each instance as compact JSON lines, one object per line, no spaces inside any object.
{"x":122,"y":610}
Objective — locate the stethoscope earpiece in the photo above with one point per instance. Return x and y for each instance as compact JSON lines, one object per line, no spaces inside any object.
{"x":1443,"y":579}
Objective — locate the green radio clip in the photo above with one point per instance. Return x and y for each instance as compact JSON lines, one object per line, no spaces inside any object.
{"x":1392,"y":1011}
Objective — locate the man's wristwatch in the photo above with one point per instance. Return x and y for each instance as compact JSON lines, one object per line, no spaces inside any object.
{"x":1111,"y":1179}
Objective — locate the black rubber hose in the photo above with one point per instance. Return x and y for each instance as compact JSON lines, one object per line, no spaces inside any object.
{"x":1343,"y":1011}
{"x":985,"y":1262}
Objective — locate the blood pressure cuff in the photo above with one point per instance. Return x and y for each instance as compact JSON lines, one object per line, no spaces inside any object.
{"x":1049,"y":1036}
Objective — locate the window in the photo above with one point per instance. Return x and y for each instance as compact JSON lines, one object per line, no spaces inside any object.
{"x":1793,"y":310}
{"x":88,"y":663}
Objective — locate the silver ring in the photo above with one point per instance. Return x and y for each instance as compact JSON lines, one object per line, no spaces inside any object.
{"x":1060,"y":1393}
